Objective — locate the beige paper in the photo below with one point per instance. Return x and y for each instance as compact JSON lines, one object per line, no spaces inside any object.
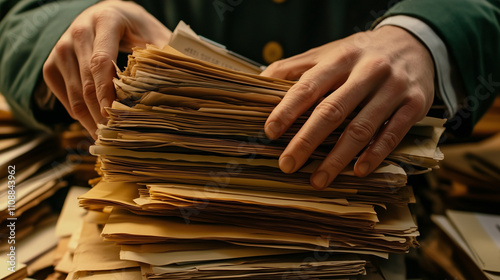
{"x":480,"y":243}
{"x":93,"y":254}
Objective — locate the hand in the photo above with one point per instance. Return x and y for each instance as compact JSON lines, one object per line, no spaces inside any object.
{"x":388,"y":73}
{"x":79,"y":70}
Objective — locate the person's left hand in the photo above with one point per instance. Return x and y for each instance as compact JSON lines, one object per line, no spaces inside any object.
{"x":79,"y":70}
{"x":387,"y":72}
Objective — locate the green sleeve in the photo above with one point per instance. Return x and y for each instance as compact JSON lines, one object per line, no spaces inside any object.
{"x":29,"y":29}
{"x":471,"y":31}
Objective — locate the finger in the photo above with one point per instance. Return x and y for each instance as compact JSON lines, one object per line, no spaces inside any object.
{"x":149,"y":30}
{"x":313,"y":84}
{"x":83,"y":37}
{"x":77,"y":107}
{"x":387,"y":139}
{"x":57,"y":72}
{"x":357,"y":135}
{"x":54,"y":80}
{"x":328,"y":115}
{"x":290,"y":68}
{"x":162,"y":37}
{"x":106,"y":44}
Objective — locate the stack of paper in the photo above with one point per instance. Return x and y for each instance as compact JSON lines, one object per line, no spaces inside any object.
{"x":76,"y":142}
{"x":7,"y":273}
{"x":189,"y":43}
{"x":478,"y":236}
{"x":87,"y":256}
{"x":470,"y":175}
{"x":32,"y":173}
{"x":197,"y":192}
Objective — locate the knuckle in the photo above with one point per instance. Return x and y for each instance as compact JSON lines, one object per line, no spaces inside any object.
{"x":350,"y":50}
{"x":305,"y":142}
{"x":62,"y":48}
{"x":281,"y":68}
{"x":275,"y":66}
{"x":387,"y":142}
{"x":381,"y":64}
{"x":350,"y":53}
{"x":88,"y":90}
{"x":79,"y":33}
{"x":419,"y":96}
{"x":294,"y":73}
{"x":102,"y":15}
{"x":48,"y":70}
{"x":331,"y":112}
{"x":377,"y":152}
{"x":417,"y":103}
{"x":361,"y":131}
{"x":390,"y":141}
{"x":399,"y":83}
{"x":78,"y":109}
{"x":98,"y":61}
{"x":335,"y":163}
{"x":306,"y":87}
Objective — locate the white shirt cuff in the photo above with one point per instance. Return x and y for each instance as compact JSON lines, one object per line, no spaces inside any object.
{"x":447,"y":87}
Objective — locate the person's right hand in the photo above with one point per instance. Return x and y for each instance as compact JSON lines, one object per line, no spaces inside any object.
{"x":79,"y":70}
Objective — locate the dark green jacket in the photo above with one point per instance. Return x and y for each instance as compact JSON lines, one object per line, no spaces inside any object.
{"x":469,"y":28}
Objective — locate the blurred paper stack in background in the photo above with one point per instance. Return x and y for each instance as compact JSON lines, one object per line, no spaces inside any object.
{"x":28,"y":182}
{"x":463,"y":240}
{"x":34,"y":176}
{"x":468,"y":247}
{"x":472,"y":175}
{"x":469,"y":176}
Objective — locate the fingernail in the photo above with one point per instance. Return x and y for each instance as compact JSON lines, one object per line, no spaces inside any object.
{"x":273,"y":130}
{"x":363,"y":168}
{"x":319,"y":180}
{"x":287,"y":164}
